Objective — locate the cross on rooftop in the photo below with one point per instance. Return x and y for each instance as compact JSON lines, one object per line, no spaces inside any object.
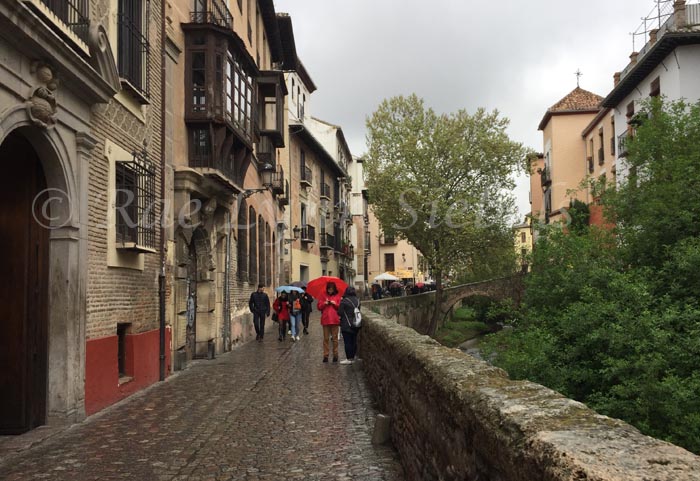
{"x":578,"y":74}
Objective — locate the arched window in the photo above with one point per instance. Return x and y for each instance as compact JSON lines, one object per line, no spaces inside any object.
{"x":274,"y":248}
{"x":268,"y":254}
{"x":261,"y":250}
{"x":242,"y":247}
{"x":252,"y":248}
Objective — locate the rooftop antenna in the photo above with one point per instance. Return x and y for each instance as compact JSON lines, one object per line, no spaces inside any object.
{"x":578,"y":76}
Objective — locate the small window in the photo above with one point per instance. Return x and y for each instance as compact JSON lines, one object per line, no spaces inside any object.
{"x":655,"y":89}
{"x":630,"y":111}
{"x":523,"y":238}
{"x":135,"y":204}
{"x":122,"y":331}
{"x":388,"y":262}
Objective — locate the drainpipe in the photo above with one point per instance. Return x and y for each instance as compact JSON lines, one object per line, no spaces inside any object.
{"x":161,"y":275}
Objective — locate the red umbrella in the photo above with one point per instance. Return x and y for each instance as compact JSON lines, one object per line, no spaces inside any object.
{"x":420,"y":284}
{"x":317,"y":287}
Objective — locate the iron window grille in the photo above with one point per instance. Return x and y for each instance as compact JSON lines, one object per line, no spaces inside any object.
{"x":133,"y":44}
{"x":73,"y":13}
{"x":135,"y":204}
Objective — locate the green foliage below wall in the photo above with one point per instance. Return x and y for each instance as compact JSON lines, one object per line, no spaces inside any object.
{"x":613,"y":318}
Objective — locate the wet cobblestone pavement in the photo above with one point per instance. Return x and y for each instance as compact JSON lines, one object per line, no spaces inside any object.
{"x":266,"y":411}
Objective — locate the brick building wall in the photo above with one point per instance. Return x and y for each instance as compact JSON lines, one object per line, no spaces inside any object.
{"x":119,"y":294}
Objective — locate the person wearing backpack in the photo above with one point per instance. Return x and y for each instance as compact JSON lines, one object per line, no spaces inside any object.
{"x":350,"y":323}
{"x":295,"y":314}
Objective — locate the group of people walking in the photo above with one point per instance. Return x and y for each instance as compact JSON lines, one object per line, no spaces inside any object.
{"x":292,"y":311}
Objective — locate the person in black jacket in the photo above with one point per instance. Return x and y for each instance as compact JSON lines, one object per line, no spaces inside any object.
{"x":346,"y":312}
{"x":260,"y":307}
{"x":307,"y":302}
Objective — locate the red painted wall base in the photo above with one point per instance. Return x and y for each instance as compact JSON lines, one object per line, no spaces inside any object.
{"x":102,"y":386}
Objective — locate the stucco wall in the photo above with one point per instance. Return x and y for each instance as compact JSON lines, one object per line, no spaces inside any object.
{"x":455,"y":418}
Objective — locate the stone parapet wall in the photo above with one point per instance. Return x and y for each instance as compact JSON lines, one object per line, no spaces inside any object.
{"x":455,"y":418}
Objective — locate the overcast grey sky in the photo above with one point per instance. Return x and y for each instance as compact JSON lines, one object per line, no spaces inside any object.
{"x":512,"y":55}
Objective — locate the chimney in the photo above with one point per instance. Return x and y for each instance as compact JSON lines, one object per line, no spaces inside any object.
{"x":633,"y":58}
{"x":616,"y":78}
{"x":679,"y":14}
{"x":652,"y":35}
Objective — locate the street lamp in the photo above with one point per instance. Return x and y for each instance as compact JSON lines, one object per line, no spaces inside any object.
{"x":296,"y":232}
{"x":267,"y":171}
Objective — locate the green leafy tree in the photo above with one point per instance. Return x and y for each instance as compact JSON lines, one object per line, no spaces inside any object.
{"x":612,"y":318}
{"x":442,"y":181}
{"x":660,"y":204}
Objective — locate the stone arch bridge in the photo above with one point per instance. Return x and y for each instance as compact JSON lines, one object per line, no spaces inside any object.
{"x":416,"y":311}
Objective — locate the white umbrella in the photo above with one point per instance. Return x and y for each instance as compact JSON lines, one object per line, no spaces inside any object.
{"x":386,"y":277}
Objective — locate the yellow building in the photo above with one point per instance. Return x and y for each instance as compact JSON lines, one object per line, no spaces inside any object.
{"x":398,"y":257}
{"x":564,"y":163}
{"x":523,"y":242}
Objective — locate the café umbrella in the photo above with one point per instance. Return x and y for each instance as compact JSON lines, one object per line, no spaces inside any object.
{"x":385,"y":277}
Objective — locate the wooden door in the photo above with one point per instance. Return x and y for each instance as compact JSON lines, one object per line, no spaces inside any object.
{"x":24,"y":253}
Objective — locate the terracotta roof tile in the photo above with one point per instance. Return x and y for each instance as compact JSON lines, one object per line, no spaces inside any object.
{"x":578,"y":100}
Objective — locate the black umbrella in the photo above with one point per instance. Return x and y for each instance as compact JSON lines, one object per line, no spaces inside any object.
{"x":298,"y":284}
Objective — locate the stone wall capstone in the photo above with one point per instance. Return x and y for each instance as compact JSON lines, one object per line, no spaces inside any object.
{"x":457,"y":418}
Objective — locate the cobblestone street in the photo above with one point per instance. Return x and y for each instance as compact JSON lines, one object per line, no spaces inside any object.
{"x":266,"y":411}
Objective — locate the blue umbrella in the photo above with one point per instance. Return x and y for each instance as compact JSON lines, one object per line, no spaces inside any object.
{"x":289,"y":289}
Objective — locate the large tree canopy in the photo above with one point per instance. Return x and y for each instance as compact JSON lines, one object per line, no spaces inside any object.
{"x":443,"y":181}
{"x":612,"y":317}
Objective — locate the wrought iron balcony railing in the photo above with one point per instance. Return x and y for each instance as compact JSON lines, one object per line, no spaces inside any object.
{"x":283,"y":199}
{"x":308,"y":233}
{"x":73,"y":13}
{"x":213,"y":12}
{"x":306,"y":175}
{"x":545,"y":176}
{"x":134,"y":49}
{"x":326,"y":241}
{"x":622,"y":141}
{"x":326,"y":191}
{"x":278,"y":181}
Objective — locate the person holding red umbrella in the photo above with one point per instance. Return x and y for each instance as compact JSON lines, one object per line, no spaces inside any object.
{"x":328,"y":303}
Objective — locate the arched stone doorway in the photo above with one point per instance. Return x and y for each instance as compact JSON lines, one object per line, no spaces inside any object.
{"x":24,"y":261}
{"x":62,"y":155}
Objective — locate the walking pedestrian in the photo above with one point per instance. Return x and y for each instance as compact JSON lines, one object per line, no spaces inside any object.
{"x":307,"y":305}
{"x":295,"y":313}
{"x":328,"y":305}
{"x":259,"y":305}
{"x":281,"y":307}
{"x":346,"y":312}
